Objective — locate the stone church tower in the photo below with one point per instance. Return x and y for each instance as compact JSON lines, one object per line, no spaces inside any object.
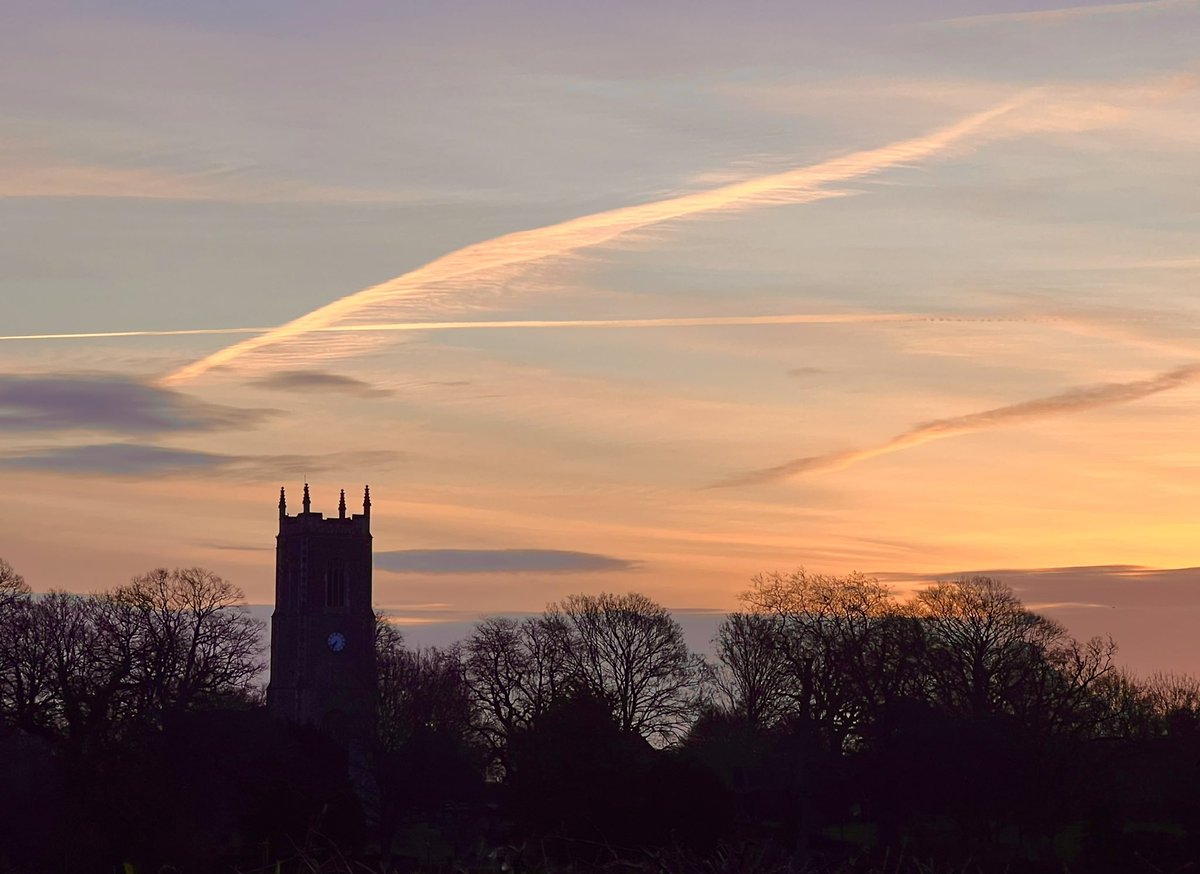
{"x":323,"y":627}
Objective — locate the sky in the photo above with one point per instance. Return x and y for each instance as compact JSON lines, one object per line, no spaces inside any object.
{"x":609,"y":297}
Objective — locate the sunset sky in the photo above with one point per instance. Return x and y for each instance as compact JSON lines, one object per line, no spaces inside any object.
{"x":610,"y":296}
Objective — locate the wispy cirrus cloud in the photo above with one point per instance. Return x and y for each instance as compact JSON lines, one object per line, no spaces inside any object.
{"x":471,"y":265}
{"x":114,"y":459}
{"x":129,"y":459}
{"x":26,"y":172}
{"x":1069,"y":13}
{"x":496,"y":561}
{"x":110,"y":402}
{"x":1076,"y":400}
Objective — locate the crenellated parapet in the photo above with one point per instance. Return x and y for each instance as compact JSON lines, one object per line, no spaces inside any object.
{"x":307,"y":520}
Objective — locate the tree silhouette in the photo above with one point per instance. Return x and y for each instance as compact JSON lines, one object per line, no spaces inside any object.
{"x":24,"y":670}
{"x":190,"y":641}
{"x":515,"y":669}
{"x":989,"y":654}
{"x":827,"y":628}
{"x":12,"y":585}
{"x":78,"y":641}
{"x":628,"y":651}
{"x":84,"y":669}
{"x":850,"y":731}
{"x":754,"y":673}
{"x":419,"y":690}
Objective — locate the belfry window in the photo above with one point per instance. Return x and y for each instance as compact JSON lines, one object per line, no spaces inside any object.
{"x":335,"y":587}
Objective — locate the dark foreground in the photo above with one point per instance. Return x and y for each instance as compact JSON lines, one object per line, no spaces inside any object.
{"x":836,"y":730}
{"x":235,"y":791}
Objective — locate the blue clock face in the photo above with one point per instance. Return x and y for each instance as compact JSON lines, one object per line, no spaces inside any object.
{"x":336,"y":641}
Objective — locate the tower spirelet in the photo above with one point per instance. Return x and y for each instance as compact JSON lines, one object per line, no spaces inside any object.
{"x":282,"y":503}
{"x":367,"y":501}
{"x":342,"y":505}
{"x":307,"y":500}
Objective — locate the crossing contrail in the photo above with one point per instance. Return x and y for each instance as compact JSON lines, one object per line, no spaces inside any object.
{"x":1074,"y":400}
{"x":664,"y":322}
{"x":100,"y":335}
{"x":499,"y":256}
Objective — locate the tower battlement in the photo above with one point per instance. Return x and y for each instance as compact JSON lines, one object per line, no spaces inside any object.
{"x":307,"y":520}
{"x":318,"y":522}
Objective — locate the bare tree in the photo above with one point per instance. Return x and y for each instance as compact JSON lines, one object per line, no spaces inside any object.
{"x":629,"y":652}
{"x":1170,"y":693}
{"x":1068,"y":697}
{"x":418,"y":689}
{"x":86,"y":658}
{"x":988,"y":654}
{"x":12,"y":585}
{"x":24,"y":677}
{"x":754,"y":675}
{"x":83,"y":669}
{"x":1141,"y":708}
{"x":828,"y":630}
{"x":515,"y":669}
{"x":191,"y":639}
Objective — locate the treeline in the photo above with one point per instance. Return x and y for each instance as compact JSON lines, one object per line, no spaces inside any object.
{"x":85,"y":671}
{"x":836,"y":728}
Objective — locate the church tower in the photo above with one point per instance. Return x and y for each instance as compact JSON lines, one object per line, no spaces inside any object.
{"x":323,"y":627}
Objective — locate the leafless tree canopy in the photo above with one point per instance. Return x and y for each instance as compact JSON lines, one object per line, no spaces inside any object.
{"x":12,"y":584}
{"x":628,"y":651}
{"x":81,"y":669}
{"x":835,"y":651}
{"x":754,"y":675}
{"x":22,"y":671}
{"x":418,"y":689}
{"x":990,"y":654}
{"x":828,"y":631}
{"x":515,"y":670}
{"x":191,"y":640}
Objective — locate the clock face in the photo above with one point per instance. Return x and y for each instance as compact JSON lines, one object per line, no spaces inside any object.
{"x":336,"y":641}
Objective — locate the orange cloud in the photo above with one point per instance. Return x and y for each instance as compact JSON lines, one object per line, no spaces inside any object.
{"x":1073,"y":401}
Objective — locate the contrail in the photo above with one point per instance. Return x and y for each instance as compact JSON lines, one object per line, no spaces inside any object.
{"x":664,"y":322}
{"x":100,"y":335}
{"x":520,"y":249}
{"x":1072,"y":401}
